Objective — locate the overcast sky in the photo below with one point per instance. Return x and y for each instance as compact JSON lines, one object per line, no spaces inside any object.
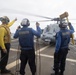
{"x":48,"y":8}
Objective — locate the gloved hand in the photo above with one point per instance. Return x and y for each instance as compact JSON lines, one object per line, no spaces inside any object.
{"x":68,"y":49}
{"x":18,"y":28}
{"x":37,"y":24}
{"x":56,"y":54}
{"x":15,"y":19}
{"x":69,"y":23}
{"x":4,"y":50}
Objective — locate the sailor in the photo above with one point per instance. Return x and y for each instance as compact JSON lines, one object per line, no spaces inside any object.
{"x":5,"y":42}
{"x":62,"y":47}
{"x":26,"y":42}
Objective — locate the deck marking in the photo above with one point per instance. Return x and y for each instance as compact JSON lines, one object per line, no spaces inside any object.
{"x":35,"y":51}
{"x":14,"y":63}
{"x":43,"y":55}
{"x":49,"y":56}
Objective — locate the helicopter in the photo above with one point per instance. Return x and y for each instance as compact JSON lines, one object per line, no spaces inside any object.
{"x":49,"y":32}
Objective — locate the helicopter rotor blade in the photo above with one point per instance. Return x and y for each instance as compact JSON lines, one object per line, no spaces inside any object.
{"x":41,"y":21}
{"x":22,"y":12}
{"x":53,"y":19}
{"x":41,"y":16}
{"x":26,"y":13}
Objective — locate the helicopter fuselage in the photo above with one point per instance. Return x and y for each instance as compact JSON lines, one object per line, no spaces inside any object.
{"x":49,"y":33}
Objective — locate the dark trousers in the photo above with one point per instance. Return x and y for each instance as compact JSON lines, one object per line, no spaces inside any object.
{"x":60,"y":60}
{"x":4,"y":57}
{"x":27,"y":56}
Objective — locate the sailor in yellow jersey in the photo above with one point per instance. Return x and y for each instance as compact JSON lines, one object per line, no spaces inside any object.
{"x":5,"y":42}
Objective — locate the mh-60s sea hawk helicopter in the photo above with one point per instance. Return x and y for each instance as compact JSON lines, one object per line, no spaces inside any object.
{"x":49,"y":32}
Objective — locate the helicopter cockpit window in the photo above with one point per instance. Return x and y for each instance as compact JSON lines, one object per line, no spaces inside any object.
{"x":47,"y":28}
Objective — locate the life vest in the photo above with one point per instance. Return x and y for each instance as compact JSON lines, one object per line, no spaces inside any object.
{"x":7,"y":36}
{"x":65,"y":38}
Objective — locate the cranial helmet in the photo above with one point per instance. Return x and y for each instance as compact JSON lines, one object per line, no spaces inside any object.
{"x":5,"y":19}
{"x":25,"y":22}
{"x":63,"y":25}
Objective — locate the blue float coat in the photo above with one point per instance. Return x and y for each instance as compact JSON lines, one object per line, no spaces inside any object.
{"x":63,"y":38}
{"x":26,"y":37}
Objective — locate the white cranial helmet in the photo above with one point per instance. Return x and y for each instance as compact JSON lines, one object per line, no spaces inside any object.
{"x":25,"y":22}
{"x":63,"y":25}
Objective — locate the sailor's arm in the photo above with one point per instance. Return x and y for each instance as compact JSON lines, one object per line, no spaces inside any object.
{"x":71,"y":27}
{"x":58,"y":42}
{"x":12,"y":22}
{"x":2,"y":44}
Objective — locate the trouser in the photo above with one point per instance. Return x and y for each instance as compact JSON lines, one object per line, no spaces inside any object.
{"x":27,"y":56}
{"x":4,"y":57}
{"x":60,"y":60}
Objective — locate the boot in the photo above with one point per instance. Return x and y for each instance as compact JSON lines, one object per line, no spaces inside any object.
{"x":54,"y":74}
{"x":5,"y":71}
{"x":33,"y":73}
{"x":61,"y":73}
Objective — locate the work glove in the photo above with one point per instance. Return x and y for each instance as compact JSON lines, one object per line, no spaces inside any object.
{"x":4,"y":50}
{"x":56,"y":53}
{"x":15,"y":19}
{"x":37,"y":24}
{"x":56,"y":56}
{"x":19,"y":27}
{"x":68,"y":49}
{"x":69,"y":23}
